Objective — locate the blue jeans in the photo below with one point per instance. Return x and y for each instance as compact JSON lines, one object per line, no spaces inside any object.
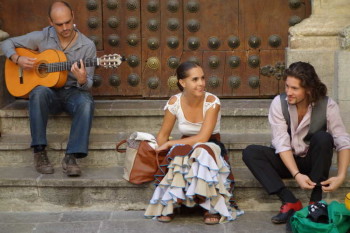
{"x":78,"y":103}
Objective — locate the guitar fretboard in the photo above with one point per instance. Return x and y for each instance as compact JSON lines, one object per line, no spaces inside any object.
{"x":60,"y":66}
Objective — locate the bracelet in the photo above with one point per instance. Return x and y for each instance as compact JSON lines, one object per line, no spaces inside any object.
{"x":296,"y":175}
{"x":17,"y":60}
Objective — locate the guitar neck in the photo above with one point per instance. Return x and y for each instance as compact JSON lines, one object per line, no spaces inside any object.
{"x":61,"y":66}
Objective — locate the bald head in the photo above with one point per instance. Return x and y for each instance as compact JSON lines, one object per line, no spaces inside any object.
{"x":59,"y":7}
{"x":61,"y":17}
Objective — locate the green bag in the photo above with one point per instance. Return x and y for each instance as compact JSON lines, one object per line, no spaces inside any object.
{"x":339,"y":220}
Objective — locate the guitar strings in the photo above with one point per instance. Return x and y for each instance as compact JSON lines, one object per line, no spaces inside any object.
{"x":59,"y":66}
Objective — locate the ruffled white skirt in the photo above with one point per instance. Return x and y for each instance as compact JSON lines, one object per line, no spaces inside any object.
{"x":195,"y":174}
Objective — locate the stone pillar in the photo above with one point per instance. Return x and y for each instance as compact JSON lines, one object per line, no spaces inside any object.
{"x":342,"y":75}
{"x":322,"y":39}
{"x":3,"y":36}
{"x":5,"y":97}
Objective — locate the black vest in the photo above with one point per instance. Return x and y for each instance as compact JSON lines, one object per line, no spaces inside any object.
{"x":318,"y":120}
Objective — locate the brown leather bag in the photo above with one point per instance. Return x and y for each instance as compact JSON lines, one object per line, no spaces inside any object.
{"x":141,"y":161}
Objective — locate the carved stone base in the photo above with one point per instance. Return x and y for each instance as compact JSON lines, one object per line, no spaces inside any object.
{"x":317,"y":33}
{"x":321,"y":30}
{"x":324,"y":41}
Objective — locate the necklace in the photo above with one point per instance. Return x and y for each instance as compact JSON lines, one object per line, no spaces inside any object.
{"x":70,"y":41}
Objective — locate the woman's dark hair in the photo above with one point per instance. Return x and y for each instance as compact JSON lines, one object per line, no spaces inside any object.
{"x":309,"y":79}
{"x":182,"y":71}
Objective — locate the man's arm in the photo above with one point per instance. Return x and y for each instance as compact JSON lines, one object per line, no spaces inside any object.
{"x":303,"y":180}
{"x":29,"y":41}
{"x":334,"y":182}
{"x":281,"y":142}
{"x":279,"y":127}
{"x":341,"y":138}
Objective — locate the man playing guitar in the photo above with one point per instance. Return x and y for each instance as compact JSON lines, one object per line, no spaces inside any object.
{"x":73,"y":97}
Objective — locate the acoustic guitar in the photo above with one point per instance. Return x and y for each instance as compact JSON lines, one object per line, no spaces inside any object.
{"x":51,"y":70}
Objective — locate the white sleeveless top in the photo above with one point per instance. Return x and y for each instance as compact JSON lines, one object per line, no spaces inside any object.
{"x":189,"y":128}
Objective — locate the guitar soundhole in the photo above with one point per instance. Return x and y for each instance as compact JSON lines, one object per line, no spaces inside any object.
{"x":42,"y":69}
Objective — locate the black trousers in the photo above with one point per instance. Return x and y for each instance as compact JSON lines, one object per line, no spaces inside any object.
{"x":269,"y":169}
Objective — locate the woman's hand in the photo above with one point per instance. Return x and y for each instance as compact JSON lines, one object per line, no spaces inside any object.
{"x":165,"y":146}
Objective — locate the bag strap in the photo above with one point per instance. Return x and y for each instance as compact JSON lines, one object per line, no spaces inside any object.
{"x":119,"y":144}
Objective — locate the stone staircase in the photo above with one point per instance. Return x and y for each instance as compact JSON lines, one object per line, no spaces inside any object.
{"x":101,"y":186}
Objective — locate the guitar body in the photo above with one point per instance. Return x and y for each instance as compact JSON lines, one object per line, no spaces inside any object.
{"x":21,"y":82}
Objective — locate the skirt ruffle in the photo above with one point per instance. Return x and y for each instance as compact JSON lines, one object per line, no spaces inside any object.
{"x":198,"y":178}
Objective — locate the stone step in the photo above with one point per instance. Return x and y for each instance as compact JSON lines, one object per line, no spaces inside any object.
{"x":112,"y":116}
{"x":101,"y":186}
{"x":15,"y":150}
{"x":23,"y":189}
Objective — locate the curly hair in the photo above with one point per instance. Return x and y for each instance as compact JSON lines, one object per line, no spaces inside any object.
{"x":309,"y":79}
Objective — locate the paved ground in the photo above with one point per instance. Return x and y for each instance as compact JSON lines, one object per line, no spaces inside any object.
{"x":128,"y":222}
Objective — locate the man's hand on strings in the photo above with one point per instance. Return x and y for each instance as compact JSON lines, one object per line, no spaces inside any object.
{"x":79,"y":73}
{"x":27,"y":63}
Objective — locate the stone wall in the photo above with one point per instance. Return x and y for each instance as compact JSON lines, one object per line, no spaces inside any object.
{"x":323,"y":39}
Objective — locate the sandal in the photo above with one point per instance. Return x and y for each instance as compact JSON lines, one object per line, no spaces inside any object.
{"x":165,"y":219}
{"x":211,"y":219}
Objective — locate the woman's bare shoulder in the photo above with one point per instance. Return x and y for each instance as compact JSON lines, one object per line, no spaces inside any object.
{"x":172,"y":100}
{"x":211,"y":98}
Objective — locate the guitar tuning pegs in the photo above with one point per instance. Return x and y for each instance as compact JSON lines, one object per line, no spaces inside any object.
{"x":111,"y":60}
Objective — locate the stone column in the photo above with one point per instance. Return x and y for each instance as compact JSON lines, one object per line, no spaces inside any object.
{"x":323,"y":40}
{"x":342,"y":75}
{"x":5,"y":97}
{"x":3,"y":36}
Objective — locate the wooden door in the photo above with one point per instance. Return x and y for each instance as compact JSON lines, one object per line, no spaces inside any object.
{"x":239,"y":43}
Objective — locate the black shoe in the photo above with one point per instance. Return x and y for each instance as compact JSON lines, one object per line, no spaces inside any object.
{"x":286,"y":211}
